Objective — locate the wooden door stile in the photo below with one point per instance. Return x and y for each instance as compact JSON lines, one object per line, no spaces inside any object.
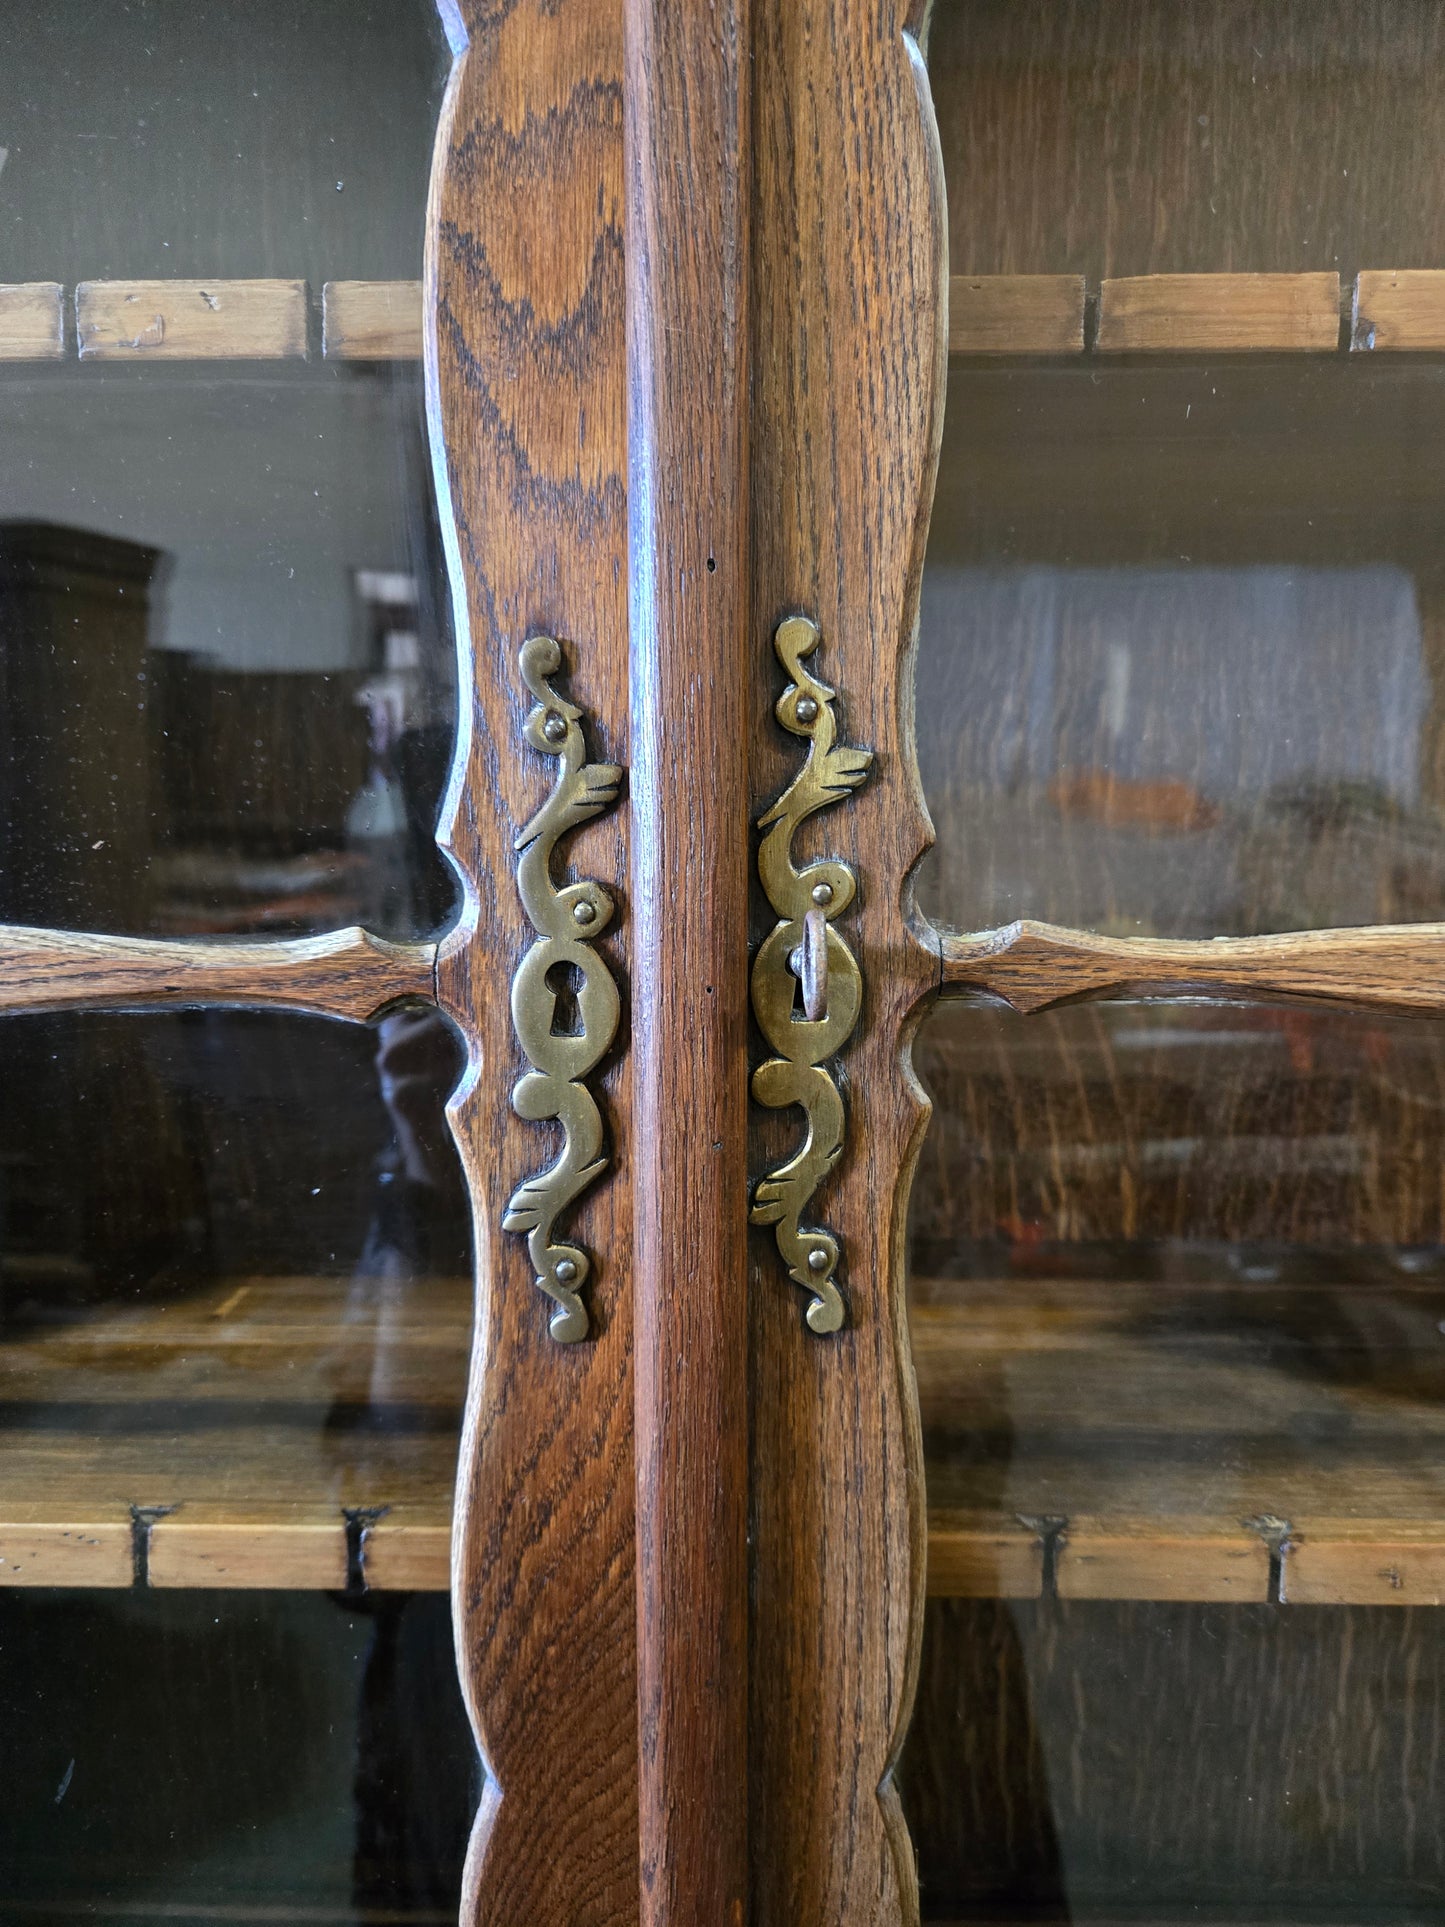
{"x":526,"y":387}
{"x":849,"y":350}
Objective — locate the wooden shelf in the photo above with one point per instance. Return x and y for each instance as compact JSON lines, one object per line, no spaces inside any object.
{"x":1167,"y":1442}
{"x":995,"y":314}
{"x":1101,"y":1440}
{"x":1391,"y":310}
{"x":211,"y":321}
{"x":289,"y":1432}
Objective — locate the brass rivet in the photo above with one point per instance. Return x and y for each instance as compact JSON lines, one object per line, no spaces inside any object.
{"x":584,"y":912}
{"x":822,"y":894}
{"x":817,"y":1259}
{"x":807,"y":709}
{"x":555,"y":727}
{"x":566,"y":1271}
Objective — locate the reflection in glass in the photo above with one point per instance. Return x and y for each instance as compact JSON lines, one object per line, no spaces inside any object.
{"x":1182,"y":648}
{"x":224,"y":636}
{"x":1177,"y":1297}
{"x":235,"y":1296}
{"x":246,"y":1756}
{"x":235,"y":1303}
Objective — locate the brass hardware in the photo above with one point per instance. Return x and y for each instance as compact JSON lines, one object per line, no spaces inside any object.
{"x":809,"y":962}
{"x":554,"y":1088}
{"x":805,"y":948}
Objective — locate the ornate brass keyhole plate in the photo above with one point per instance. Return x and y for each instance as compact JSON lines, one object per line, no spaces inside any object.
{"x":568,"y":920}
{"x":833,"y":983}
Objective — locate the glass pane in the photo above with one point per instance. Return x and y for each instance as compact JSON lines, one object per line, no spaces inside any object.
{"x":228,"y":678}
{"x":235,"y":1306}
{"x":1177,"y":1301}
{"x":235,"y":1267}
{"x":1181,"y":655}
{"x":200,"y":1756}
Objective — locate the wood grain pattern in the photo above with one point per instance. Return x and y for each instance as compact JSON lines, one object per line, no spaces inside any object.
{"x":32,"y":321}
{"x":1016,"y":314}
{"x":849,"y":356}
{"x":1398,"y":308}
{"x":80,"y":1552}
{"x":526,"y":388}
{"x":346,"y":973}
{"x":1219,"y":313}
{"x":371,"y":320}
{"x":1031,"y":965}
{"x":688,"y":179}
{"x":190,"y":320}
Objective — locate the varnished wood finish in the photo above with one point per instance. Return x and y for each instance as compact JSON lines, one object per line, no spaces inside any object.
{"x":371,"y":320}
{"x":688,"y":175}
{"x":1016,"y":314}
{"x":1399,"y":309}
{"x":526,"y":388}
{"x":190,"y":320}
{"x":346,"y":973}
{"x":849,"y":351}
{"x":1219,"y":313}
{"x":32,"y":321}
{"x":1031,"y":965}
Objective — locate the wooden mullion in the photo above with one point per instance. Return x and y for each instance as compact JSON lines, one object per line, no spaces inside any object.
{"x":1031,"y":965}
{"x":688,"y":177}
{"x":345,"y":973}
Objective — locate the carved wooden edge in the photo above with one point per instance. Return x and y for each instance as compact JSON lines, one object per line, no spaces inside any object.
{"x":345,"y":973}
{"x":1031,"y":965}
{"x":524,"y":353}
{"x":849,"y":356}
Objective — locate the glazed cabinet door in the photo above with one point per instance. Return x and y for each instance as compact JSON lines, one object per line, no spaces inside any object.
{"x":235,"y":1251}
{"x":1117,"y":1496}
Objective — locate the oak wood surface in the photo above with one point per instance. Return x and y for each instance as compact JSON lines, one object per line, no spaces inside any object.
{"x":1399,"y":308}
{"x":1016,"y":314}
{"x":346,"y":973}
{"x":371,"y":320}
{"x":191,"y":320}
{"x":688,"y":178}
{"x":525,"y":369}
{"x":1031,"y":965}
{"x":32,"y":321}
{"x":1219,"y":313}
{"x":849,"y":351}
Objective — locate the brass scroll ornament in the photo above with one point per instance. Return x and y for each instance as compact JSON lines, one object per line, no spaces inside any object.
{"x":568,"y":921}
{"x":805,"y":950}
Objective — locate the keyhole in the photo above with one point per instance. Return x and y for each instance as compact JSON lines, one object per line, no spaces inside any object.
{"x":565,"y":981}
{"x":800,"y":1009}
